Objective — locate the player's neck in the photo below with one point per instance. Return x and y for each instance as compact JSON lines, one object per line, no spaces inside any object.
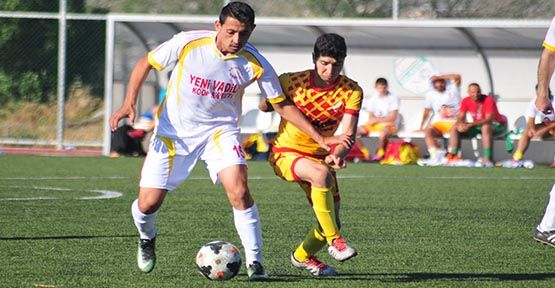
{"x":319,"y":83}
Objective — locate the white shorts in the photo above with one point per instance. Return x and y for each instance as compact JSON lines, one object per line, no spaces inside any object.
{"x":170,"y":161}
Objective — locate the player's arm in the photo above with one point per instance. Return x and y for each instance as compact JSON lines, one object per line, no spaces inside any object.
{"x":455,"y":78}
{"x":425,"y":116}
{"x":289,"y":112}
{"x":390,"y":118}
{"x":337,"y":158}
{"x":543,"y":130}
{"x":545,"y":72}
{"x":128,"y":109}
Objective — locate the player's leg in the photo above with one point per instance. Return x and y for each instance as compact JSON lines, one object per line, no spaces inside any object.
{"x":226,"y":163}
{"x":545,"y":231}
{"x":385,"y":133}
{"x":321,"y":193}
{"x":363,"y":131}
{"x":454,"y":142}
{"x":522,"y":146}
{"x":487,"y":140}
{"x":305,"y":254}
{"x":164,"y":168}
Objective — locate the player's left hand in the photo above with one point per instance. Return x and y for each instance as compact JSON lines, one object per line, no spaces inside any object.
{"x":335,"y":161}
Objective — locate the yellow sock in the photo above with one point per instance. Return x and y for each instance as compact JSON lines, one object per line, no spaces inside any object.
{"x":380,"y":152}
{"x":517,"y":155}
{"x":364,"y":150}
{"x":322,"y":204}
{"x":313,"y":243}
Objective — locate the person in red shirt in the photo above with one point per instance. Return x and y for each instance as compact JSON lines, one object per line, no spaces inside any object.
{"x":486,"y":120}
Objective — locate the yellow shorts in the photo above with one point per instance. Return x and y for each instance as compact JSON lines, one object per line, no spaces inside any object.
{"x":283,"y":161}
{"x":378,"y":127}
{"x":443,"y":126}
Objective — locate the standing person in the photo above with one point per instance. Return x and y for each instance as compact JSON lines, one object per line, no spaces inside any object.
{"x":545,"y":231}
{"x":327,"y":99}
{"x":442,"y":104}
{"x":383,"y":109}
{"x":486,"y":120}
{"x":198,"y":120}
{"x":546,"y":128}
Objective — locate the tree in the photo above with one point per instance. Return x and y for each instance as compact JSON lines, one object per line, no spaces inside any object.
{"x":28,"y":62}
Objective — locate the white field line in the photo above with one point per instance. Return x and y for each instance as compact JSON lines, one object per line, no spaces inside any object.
{"x":104,"y":194}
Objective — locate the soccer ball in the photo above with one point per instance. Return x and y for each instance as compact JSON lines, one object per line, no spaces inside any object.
{"x":218,"y":260}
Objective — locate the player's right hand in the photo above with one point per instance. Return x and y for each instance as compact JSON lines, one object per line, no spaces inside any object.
{"x":125,"y":111}
{"x":343,"y":139}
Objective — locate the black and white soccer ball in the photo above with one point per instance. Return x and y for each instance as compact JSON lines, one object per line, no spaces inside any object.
{"x":219,"y":260}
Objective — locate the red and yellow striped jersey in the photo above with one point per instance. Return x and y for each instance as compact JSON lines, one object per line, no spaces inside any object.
{"x":324,"y":108}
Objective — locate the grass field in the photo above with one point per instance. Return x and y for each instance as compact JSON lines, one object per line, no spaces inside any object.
{"x":413,"y":227}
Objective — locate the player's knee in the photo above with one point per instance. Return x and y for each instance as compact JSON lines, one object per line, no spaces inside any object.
{"x":148,"y":207}
{"x":321,"y":177}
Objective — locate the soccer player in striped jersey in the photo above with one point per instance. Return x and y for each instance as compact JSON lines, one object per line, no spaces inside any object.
{"x":327,"y":99}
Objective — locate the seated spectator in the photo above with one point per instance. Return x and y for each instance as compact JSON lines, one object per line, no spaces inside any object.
{"x":441,"y":104}
{"x":383,"y":109}
{"x":546,"y":128}
{"x":486,"y":121}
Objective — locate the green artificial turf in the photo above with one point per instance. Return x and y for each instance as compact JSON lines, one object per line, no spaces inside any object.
{"x":412,"y":226}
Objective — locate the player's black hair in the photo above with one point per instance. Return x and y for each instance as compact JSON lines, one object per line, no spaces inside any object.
{"x":330,"y":45}
{"x":238,"y":10}
{"x":381,"y":81}
{"x":475,"y":84}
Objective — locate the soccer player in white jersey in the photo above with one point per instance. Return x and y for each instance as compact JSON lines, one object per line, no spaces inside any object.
{"x":383,"y":110}
{"x":442,"y":104}
{"x":198,"y":120}
{"x":545,"y":231}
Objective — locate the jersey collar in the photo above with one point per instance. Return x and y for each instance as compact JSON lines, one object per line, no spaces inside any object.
{"x":219,"y":53}
{"x":321,"y":89}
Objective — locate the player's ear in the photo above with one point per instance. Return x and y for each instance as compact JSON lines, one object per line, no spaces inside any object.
{"x":217,"y":25}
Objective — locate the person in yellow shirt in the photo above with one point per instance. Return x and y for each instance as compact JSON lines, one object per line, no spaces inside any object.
{"x":327,"y":99}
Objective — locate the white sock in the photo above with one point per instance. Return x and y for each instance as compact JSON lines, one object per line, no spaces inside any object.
{"x":247,"y":223}
{"x":145,"y":223}
{"x":433,"y":152}
{"x":548,"y":220}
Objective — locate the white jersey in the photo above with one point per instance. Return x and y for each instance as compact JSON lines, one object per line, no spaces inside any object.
{"x":549,"y":42}
{"x":206,"y":88}
{"x":382,"y":106}
{"x":533,"y":112}
{"x":445,"y":105}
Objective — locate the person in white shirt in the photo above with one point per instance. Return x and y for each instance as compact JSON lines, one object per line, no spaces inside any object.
{"x":545,"y":231}
{"x":383,"y":117}
{"x":442,"y":105}
{"x":545,"y":128}
{"x":198,"y":119}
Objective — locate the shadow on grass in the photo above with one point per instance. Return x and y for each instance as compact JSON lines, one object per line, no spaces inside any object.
{"x":67,"y":237}
{"x":422,"y":277}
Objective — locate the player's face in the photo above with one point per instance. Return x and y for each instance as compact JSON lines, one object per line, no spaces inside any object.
{"x":474,"y":92}
{"x":381,"y":89}
{"x":232,"y":35}
{"x":439,"y":85}
{"x":328,"y":68}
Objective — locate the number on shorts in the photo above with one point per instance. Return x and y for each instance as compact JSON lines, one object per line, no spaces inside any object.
{"x":239,"y":151}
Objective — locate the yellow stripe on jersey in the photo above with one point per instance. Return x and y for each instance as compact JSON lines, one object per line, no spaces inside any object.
{"x":217,"y":141}
{"x":171,"y":150}
{"x":549,"y":47}
{"x":184,"y":52}
{"x":257,"y":69}
{"x":276,"y":100}
{"x":153,"y":62}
